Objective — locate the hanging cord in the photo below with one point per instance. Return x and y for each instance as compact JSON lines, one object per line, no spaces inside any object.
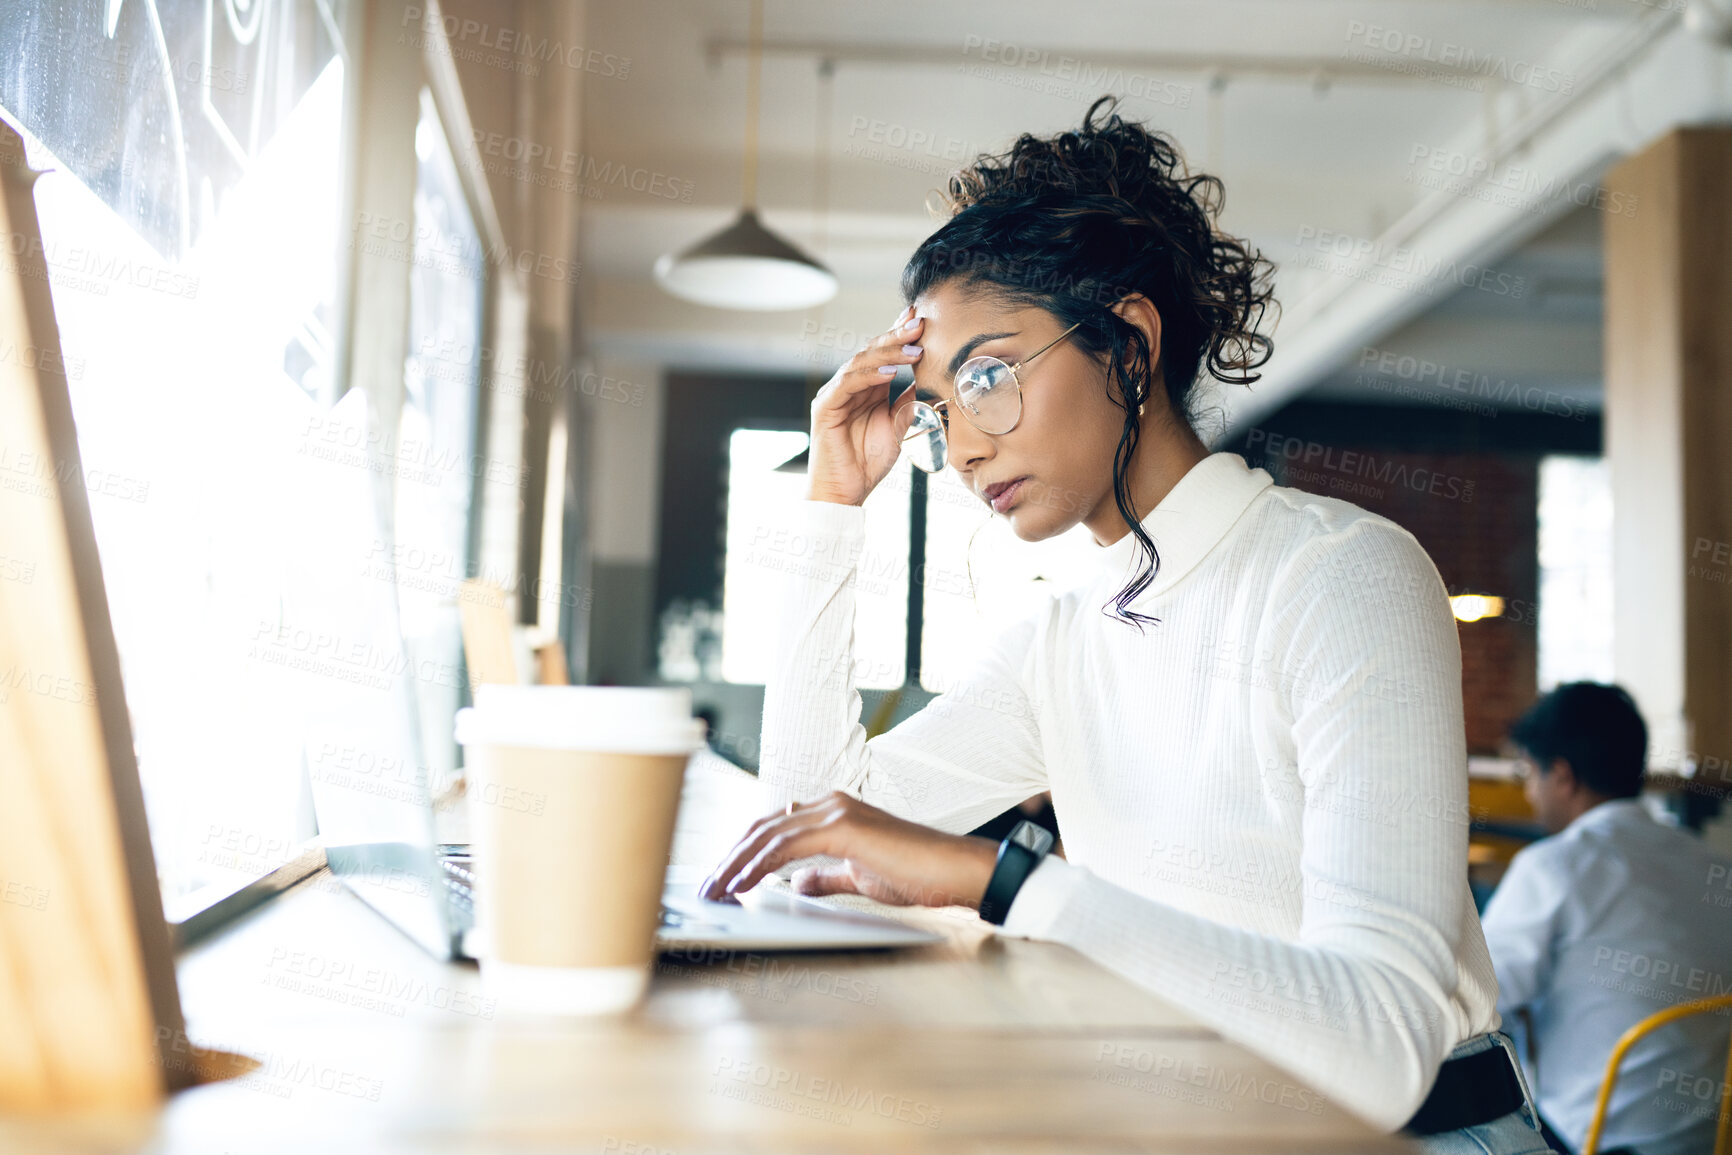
{"x":821,"y":152}
{"x":754,"y":65}
{"x":821,"y":190}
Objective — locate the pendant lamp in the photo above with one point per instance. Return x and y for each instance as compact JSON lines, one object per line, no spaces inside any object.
{"x":746,"y":266}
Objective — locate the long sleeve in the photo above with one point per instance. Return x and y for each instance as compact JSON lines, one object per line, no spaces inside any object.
{"x":1521,"y":924}
{"x":1360,"y":1003}
{"x":969,"y":754}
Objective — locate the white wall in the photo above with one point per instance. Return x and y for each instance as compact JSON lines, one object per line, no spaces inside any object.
{"x":623,"y":400}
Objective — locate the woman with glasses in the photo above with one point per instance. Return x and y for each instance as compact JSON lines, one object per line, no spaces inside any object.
{"x":1250,"y":722}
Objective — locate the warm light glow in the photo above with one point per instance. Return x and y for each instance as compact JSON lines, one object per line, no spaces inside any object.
{"x":1473,"y":607}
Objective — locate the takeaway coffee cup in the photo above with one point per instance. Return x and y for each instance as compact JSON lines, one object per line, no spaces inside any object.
{"x":573,"y":791}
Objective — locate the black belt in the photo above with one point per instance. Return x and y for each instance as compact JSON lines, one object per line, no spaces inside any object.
{"x":1469,"y":1091}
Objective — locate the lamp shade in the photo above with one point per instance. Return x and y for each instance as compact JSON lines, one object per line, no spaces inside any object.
{"x":746,"y":266}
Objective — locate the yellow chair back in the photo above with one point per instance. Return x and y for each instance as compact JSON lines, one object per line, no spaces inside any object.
{"x":1723,"y":1133}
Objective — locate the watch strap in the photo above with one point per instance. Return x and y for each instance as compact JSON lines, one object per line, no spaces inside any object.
{"x":1015,"y":863}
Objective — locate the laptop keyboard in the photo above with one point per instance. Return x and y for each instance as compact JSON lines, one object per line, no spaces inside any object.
{"x":460,"y":889}
{"x":459,"y":872}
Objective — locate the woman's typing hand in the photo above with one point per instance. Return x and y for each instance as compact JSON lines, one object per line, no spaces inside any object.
{"x":885,"y":858}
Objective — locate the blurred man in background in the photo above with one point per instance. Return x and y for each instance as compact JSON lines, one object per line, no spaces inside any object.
{"x":1606,"y":921}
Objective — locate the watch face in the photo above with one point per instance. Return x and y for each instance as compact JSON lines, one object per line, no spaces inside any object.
{"x":1033,"y":836}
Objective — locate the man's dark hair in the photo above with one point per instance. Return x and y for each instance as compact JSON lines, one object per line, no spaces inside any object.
{"x":1596,"y":728}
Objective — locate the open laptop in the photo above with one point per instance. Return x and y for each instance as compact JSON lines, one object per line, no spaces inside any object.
{"x":370,"y":785}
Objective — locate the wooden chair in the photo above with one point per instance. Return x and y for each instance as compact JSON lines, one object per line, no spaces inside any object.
{"x":490,"y":640}
{"x":488,"y":645}
{"x":550,"y":668}
{"x":1723,"y":1133}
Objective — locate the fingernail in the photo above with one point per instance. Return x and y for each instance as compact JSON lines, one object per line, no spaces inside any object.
{"x":911,"y":350}
{"x":887,"y":370}
{"x":909,"y":324}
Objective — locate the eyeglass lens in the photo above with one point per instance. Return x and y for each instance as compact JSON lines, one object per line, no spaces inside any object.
{"x":924,"y":442}
{"x":986,"y":390}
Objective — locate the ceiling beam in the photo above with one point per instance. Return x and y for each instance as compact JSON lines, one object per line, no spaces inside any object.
{"x":1656,"y":77}
{"x":1081,"y":63}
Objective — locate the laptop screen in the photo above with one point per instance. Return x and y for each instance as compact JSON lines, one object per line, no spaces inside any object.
{"x":340,"y":634}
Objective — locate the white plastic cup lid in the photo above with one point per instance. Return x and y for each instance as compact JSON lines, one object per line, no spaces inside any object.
{"x":620,"y":719}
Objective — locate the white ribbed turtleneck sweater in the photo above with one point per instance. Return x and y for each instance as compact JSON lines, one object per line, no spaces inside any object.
{"x":1262,"y":799}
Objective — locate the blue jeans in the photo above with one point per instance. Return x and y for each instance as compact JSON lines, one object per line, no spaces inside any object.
{"x":1517,"y":1133}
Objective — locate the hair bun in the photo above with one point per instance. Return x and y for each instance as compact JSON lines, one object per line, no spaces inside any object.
{"x":1109,"y":157}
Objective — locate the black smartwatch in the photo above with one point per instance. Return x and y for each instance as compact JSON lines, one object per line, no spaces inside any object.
{"x":1018,"y":855}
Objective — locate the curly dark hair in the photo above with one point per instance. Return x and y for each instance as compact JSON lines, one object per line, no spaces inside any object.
{"x":1075,"y":222}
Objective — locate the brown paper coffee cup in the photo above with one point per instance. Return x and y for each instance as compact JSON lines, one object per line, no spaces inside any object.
{"x":573,"y":795}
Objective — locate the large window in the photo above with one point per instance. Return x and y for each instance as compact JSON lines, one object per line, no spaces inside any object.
{"x":1575,"y":554}
{"x":192,"y":214}
{"x":199,"y":221}
{"x":753,"y":559}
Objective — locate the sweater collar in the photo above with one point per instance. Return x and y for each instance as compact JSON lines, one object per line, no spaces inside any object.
{"x":1189,"y":521}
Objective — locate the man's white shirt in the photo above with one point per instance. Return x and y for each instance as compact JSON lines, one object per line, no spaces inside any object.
{"x":1593,"y":930}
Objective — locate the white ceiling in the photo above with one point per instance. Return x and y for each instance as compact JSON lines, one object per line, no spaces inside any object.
{"x":1545,"y":342}
{"x":1267,"y":94}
